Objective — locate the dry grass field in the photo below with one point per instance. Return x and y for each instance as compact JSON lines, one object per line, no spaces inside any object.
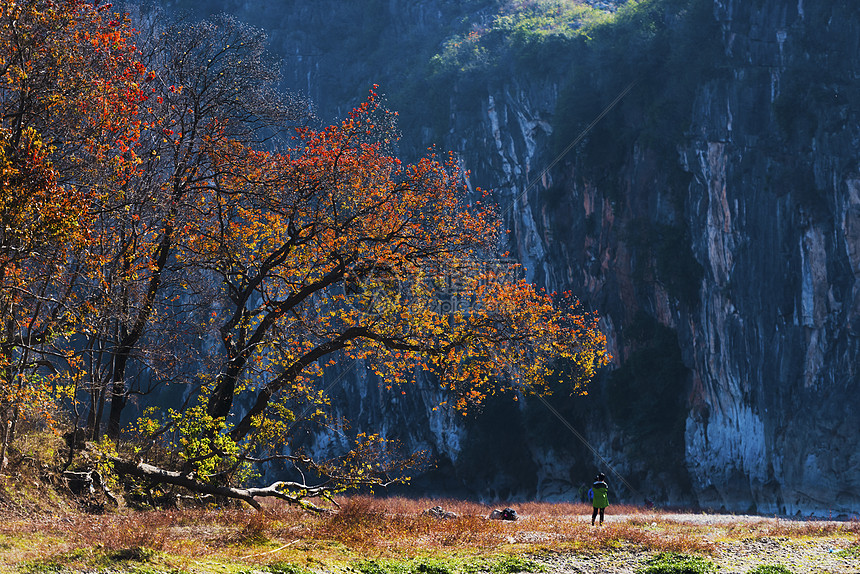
{"x":395,"y":536}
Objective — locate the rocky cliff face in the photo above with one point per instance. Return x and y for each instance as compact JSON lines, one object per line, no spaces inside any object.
{"x":712,"y":218}
{"x":768,"y":330}
{"x":773,"y":212}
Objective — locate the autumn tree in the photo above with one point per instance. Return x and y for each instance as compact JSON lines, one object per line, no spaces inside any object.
{"x":69,"y":87}
{"x":333,"y":250}
{"x":156,"y":190}
{"x":207,"y":80}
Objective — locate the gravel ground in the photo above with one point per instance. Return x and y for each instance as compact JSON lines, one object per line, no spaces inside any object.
{"x":801,"y":555}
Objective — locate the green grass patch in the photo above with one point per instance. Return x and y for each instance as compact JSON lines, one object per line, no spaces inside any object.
{"x":671,"y":563}
{"x":434,"y":566}
{"x":41,"y":567}
{"x":381,"y":567}
{"x":56,"y":563}
{"x":135,"y":559}
{"x":151,"y":569}
{"x":133,"y":554}
{"x":770,"y":569}
{"x":513,"y":564}
{"x":850,"y":552}
{"x":449,"y":565}
{"x":286,"y":568}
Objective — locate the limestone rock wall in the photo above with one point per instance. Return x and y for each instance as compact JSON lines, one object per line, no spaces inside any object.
{"x":727,"y":270}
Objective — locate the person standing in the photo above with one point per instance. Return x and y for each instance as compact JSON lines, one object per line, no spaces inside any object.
{"x":601,"y":497}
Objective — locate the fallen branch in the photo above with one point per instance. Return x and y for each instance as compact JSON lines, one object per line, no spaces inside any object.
{"x":280,"y":490}
{"x":90,"y":480}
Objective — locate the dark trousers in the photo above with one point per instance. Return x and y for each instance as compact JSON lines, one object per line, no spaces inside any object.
{"x":594,"y":514}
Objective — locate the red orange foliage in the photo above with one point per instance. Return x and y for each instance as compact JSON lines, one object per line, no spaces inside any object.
{"x":117,"y":181}
{"x":69,"y":90}
{"x":337,"y":249}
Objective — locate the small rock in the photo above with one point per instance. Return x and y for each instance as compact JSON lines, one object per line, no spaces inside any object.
{"x":506,"y":514}
{"x":441,"y":513}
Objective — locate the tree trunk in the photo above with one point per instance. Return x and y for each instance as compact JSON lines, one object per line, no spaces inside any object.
{"x":7,"y":432}
{"x":118,"y":399}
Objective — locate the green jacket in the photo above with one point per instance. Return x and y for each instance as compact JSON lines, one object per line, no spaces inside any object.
{"x":601,"y":494}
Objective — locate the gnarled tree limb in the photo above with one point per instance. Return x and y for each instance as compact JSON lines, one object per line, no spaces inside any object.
{"x":278,"y":489}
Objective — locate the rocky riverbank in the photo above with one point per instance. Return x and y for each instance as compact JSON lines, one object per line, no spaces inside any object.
{"x":797,"y":549}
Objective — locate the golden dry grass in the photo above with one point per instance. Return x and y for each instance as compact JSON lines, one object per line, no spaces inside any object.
{"x":363,"y":527}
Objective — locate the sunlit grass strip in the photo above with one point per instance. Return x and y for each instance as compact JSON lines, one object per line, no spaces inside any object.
{"x":391,"y":531}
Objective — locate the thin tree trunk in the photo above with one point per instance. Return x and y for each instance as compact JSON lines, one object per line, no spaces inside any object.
{"x":97,"y":392}
{"x":96,"y":430}
{"x":7,"y":430}
{"x":129,"y":339}
{"x":118,"y":400}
